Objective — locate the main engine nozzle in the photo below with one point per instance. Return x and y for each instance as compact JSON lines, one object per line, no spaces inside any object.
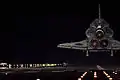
{"x":94,"y":43}
{"x":99,"y":33}
{"x":104,"y":43}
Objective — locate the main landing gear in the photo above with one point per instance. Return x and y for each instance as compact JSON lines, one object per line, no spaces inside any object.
{"x":111,"y":51}
{"x":87,"y":53}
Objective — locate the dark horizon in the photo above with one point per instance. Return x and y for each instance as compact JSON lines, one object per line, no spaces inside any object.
{"x":38,"y":34}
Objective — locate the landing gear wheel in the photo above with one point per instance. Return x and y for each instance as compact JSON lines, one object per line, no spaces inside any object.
{"x":111,"y":53}
{"x":87,"y":53}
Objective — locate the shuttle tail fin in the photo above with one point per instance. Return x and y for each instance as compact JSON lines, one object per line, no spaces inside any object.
{"x":99,"y":14}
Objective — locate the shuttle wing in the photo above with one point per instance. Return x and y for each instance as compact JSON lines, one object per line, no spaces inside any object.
{"x":81,"y":45}
{"x":115,"y":45}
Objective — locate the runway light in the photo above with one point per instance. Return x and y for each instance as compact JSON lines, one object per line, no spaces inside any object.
{"x":84,"y":74}
{"x":110,"y":78}
{"x":37,"y":79}
{"x":79,"y":79}
{"x":113,"y":72}
{"x":105,"y":73}
{"x":95,"y":74}
{"x":116,"y":73}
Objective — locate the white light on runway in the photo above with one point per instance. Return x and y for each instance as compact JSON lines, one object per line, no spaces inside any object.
{"x":95,"y":74}
{"x":37,"y":79}
{"x":110,"y":78}
{"x":79,"y":79}
{"x":83,"y":74}
{"x":116,"y":73}
{"x":105,"y":73}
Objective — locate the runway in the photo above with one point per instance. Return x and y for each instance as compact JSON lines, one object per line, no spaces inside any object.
{"x":69,"y":72}
{"x":70,"y":75}
{"x":69,"y":67}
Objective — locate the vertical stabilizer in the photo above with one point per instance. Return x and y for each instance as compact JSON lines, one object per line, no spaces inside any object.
{"x":99,"y":13}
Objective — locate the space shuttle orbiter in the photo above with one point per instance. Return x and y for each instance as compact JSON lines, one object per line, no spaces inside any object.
{"x":99,"y":38}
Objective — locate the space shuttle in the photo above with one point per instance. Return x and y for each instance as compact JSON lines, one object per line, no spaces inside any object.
{"x":99,"y":37}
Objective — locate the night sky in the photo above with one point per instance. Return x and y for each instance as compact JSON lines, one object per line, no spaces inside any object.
{"x":32,"y":35}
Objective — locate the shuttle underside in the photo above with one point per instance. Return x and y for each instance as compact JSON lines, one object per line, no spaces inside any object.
{"x":99,"y":38}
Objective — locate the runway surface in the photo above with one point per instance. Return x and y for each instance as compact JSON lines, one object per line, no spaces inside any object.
{"x":90,"y":75}
{"x":70,"y":72}
{"x":55,"y":69}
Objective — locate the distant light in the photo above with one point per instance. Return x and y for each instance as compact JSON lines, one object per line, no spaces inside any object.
{"x":3,"y":63}
{"x":6,"y":73}
{"x":43,"y":65}
{"x":30,"y":65}
{"x":21,"y":65}
{"x":113,"y":72}
{"x":52,"y":64}
{"x":9,"y":65}
{"x":37,"y":79}
{"x":47,"y":64}
{"x":3,"y":67}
